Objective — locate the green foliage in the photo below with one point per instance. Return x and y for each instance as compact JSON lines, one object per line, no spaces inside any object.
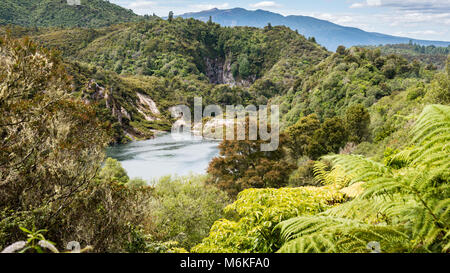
{"x":171,"y":62}
{"x":403,"y":207}
{"x":439,"y":90}
{"x":184,"y":209}
{"x":432,"y":55}
{"x":352,"y":76}
{"x":51,"y":143}
{"x":333,"y":134}
{"x":308,"y":137}
{"x":304,"y":175}
{"x":250,"y":226}
{"x":56,"y":119}
{"x":136,"y":183}
{"x":242,"y":164}
{"x":301,"y":137}
{"x":91,"y":13}
{"x":108,"y":216}
{"x":416,"y":92}
{"x":52,"y":146}
{"x":244,"y":66}
{"x":114,"y":172}
{"x":357,"y":120}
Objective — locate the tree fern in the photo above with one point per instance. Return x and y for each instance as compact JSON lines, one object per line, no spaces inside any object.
{"x":404,"y":207}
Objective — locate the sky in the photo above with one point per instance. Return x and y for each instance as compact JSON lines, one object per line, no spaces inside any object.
{"x":428,"y":20}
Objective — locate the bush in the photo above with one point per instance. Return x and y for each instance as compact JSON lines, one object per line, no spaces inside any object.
{"x":184,"y":209}
{"x":249,"y":227}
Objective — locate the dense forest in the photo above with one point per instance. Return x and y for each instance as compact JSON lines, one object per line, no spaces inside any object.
{"x":44,"y":13}
{"x":362,"y":165}
{"x":432,"y":55}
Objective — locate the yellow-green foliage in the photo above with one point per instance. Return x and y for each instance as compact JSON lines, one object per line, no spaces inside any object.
{"x":252,"y":218}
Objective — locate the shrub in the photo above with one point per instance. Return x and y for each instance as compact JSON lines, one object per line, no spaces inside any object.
{"x":184,"y":209}
{"x":249,"y":228}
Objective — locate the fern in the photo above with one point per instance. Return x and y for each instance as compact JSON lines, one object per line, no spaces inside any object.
{"x":404,"y":210}
{"x":330,"y":234}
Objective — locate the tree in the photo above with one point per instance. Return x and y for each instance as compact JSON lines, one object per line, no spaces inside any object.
{"x":51,"y":144}
{"x":184,"y":209}
{"x":301,"y":137}
{"x":242,"y":165}
{"x":340,"y":50}
{"x":439,"y":88}
{"x":357,"y":119}
{"x":332,"y":135}
{"x":114,"y":172}
{"x":244,"y":66}
{"x":249,"y":227}
{"x":170,"y":18}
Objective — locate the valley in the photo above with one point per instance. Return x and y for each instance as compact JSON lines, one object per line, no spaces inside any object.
{"x":88,"y":103}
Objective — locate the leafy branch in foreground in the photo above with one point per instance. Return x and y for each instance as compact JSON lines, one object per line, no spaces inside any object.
{"x":36,"y":242}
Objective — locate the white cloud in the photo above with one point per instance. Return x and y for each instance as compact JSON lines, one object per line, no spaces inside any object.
{"x":265,"y":4}
{"x":357,"y":5}
{"x":209,"y":6}
{"x":367,"y":3}
{"x":418,"y":33}
{"x":425,"y":6}
{"x":142,"y":4}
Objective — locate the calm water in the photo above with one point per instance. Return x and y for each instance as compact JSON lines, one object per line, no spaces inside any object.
{"x":164,"y":155}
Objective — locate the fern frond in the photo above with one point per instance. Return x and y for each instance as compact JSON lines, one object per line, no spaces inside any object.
{"x":358,"y":168}
{"x":403,"y":209}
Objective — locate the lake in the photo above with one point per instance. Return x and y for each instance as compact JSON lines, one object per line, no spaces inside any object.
{"x":165,"y":155}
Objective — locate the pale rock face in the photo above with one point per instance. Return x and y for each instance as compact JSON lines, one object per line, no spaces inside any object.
{"x":147,"y":107}
{"x":218,"y":71}
{"x":101,"y":93}
{"x":125,"y":113}
{"x":227,"y":75}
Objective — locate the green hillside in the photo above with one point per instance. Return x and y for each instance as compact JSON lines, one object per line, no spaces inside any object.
{"x":171,"y":62}
{"x":362,"y":163}
{"x":432,"y":55}
{"x":58,"y":13}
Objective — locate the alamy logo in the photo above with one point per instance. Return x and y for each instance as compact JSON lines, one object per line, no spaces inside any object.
{"x":73,"y":2}
{"x":237,"y":123}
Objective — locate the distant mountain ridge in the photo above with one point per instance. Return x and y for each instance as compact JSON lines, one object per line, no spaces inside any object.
{"x":100,"y":13}
{"x":326,"y":33}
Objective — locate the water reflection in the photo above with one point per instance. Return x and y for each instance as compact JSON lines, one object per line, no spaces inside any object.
{"x":165,"y":155}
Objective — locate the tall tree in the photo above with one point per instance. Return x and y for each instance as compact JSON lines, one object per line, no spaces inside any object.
{"x":332,"y":135}
{"x":301,"y":136}
{"x":51,"y":144}
{"x":242,"y":165}
{"x":357,"y":119}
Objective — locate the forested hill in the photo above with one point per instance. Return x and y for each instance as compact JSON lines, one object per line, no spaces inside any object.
{"x":91,"y":13}
{"x":171,"y":61}
{"x":432,"y":55}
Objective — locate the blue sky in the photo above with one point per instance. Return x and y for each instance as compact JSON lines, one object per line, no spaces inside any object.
{"x":412,"y":18}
